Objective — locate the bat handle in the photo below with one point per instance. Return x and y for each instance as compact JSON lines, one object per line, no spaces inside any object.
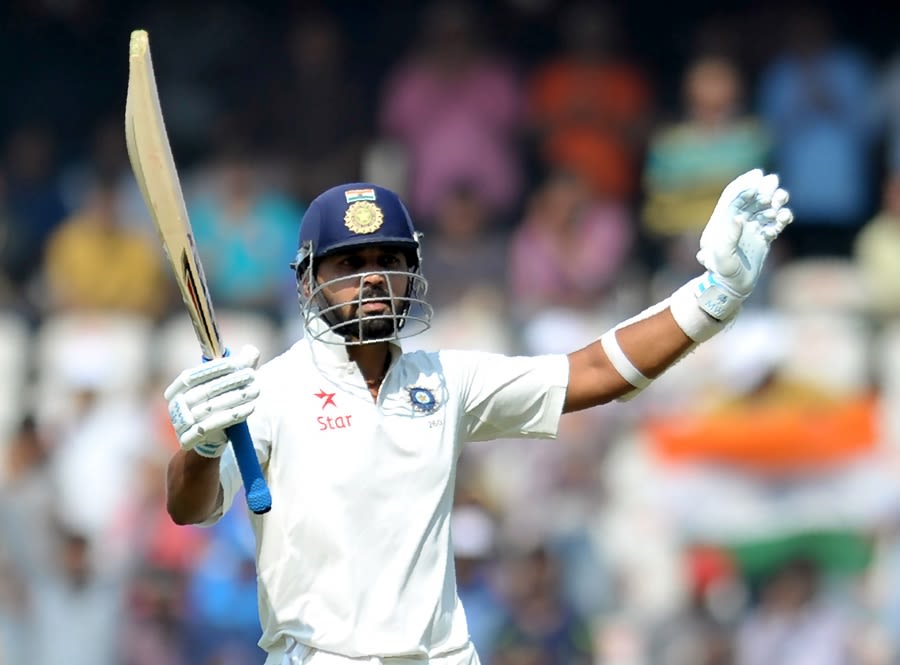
{"x":259,"y":500}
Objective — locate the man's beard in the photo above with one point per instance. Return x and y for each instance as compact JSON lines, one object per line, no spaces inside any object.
{"x":372,"y":327}
{"x":368,"y":329}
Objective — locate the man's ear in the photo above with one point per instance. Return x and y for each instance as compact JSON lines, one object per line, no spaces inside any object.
{"x":304,"y":286}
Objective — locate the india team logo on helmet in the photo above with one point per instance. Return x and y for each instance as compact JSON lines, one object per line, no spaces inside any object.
{"x":363,"y":217}
{"x":353,"y":216}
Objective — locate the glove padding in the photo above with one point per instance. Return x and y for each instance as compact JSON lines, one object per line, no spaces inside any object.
{"x":749,"y":215}
{"x":206,"y":399}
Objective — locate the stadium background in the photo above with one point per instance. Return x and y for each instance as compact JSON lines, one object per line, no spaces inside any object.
{"x":742,"y":510}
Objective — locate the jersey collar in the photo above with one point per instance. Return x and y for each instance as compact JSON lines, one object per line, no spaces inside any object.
{"x":328,"y":347}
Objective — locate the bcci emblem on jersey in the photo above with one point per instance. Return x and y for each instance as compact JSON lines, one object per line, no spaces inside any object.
{"x":422,"y":399}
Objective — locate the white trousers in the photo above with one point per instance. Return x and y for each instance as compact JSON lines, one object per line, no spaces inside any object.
{"x":300,"y":654}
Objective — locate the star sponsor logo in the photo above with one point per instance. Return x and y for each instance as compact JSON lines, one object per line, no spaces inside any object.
{"x":327,"y":398}
{"x":331,"y":422}
{"x":334,"y":422}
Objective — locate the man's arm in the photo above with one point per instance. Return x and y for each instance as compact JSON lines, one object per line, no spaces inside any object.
{"x":651,"y":344}
{"x":193,"y":492}
{"x":734,"y":245}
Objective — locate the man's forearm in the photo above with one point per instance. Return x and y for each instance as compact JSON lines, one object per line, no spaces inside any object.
{"x":646,"y":346}
{"x":652,"y":345}
{"x":192,"y":487}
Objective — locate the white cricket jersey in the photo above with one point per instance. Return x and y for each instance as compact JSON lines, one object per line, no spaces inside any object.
{"x":355,"y":556}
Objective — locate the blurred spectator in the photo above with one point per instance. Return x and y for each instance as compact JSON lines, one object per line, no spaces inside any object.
{"x":701,"y":632}
{"x":316,"y":116}
{"x":8,"y":248}
{"x":101,"y":436}
{"x":478,"y":320}
{"x":27,"y":534}
{"x":222,"y":614}
{"x":574,"y":498}
{"x":590,"y":106}
{"x":794,"y":623}
{"x":75,"y":607}
{"x":689,"y":162}
{"x":457,"y":109}
{"x":465,"y":251}
{"x":208,"y":56}
{"x":570,"y":250}
{"x":27,"y":507}
{"x":34,"y":202}
{"x":159,"y":556}
{"x":14,"y":646}
{"x":876,"y":250}
{"x":880,"y":600}
{"x":152,"y":634}
{"x":143,"y":534}
{"x":888,"y":110}
{"x":246,"y":230}
{"x":554,"y":494}
{"x":816,"y":99}
{"x":474,"y":547}
{"x":542,"y":628}
{"x":105,"y":160}
{"x":96,"y":262}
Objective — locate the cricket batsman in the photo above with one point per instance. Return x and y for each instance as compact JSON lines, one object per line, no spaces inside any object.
{"x":359,"y":441}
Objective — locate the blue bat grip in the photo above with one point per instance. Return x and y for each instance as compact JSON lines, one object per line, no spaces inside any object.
{"x":259,"y":500}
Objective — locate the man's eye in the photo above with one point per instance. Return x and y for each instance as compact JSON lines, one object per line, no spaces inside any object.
{"x":389,"y":260}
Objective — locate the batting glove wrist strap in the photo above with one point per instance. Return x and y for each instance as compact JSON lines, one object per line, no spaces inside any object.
{"x":691,"y":304}
{"x":715,"y":297}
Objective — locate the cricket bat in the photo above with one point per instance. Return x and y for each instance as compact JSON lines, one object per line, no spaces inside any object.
{"x":154,"y":168}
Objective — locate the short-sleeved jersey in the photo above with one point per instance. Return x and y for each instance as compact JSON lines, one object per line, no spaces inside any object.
{"x":355,"y":556}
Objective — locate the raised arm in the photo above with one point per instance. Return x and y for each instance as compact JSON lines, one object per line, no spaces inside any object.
{"x":734,"y":245}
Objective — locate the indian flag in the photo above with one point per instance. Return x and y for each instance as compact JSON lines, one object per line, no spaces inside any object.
{"x":353,"y":195}
{"x":774,"y":480}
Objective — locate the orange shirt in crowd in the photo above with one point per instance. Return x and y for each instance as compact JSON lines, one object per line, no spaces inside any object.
{"x":591,"y":119}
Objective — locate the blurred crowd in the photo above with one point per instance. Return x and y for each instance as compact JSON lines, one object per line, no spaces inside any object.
{"x":744,"y":510}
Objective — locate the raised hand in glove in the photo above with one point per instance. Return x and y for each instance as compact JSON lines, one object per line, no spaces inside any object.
{"x":749,"y":215}
{"x":208,"y":398}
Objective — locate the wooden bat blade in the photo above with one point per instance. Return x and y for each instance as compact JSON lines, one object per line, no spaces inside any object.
{"x":154,"y":167}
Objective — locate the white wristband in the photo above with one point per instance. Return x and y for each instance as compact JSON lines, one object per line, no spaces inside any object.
{"x":620,"y":361}
{"x":696,"y":323}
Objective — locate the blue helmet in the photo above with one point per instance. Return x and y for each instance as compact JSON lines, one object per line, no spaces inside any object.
{"x":351,"y":216}
{"x":358,"y":214}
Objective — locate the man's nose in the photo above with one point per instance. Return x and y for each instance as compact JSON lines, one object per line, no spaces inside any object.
{"x":373,"y":278}
{"x":374,"y":272}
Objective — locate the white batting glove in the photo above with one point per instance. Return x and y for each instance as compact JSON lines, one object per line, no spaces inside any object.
{"x":206,"y":399}
{"x":750,"y":214}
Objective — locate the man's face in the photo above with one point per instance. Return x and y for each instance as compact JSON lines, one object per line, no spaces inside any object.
{"x":367,"y":297}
